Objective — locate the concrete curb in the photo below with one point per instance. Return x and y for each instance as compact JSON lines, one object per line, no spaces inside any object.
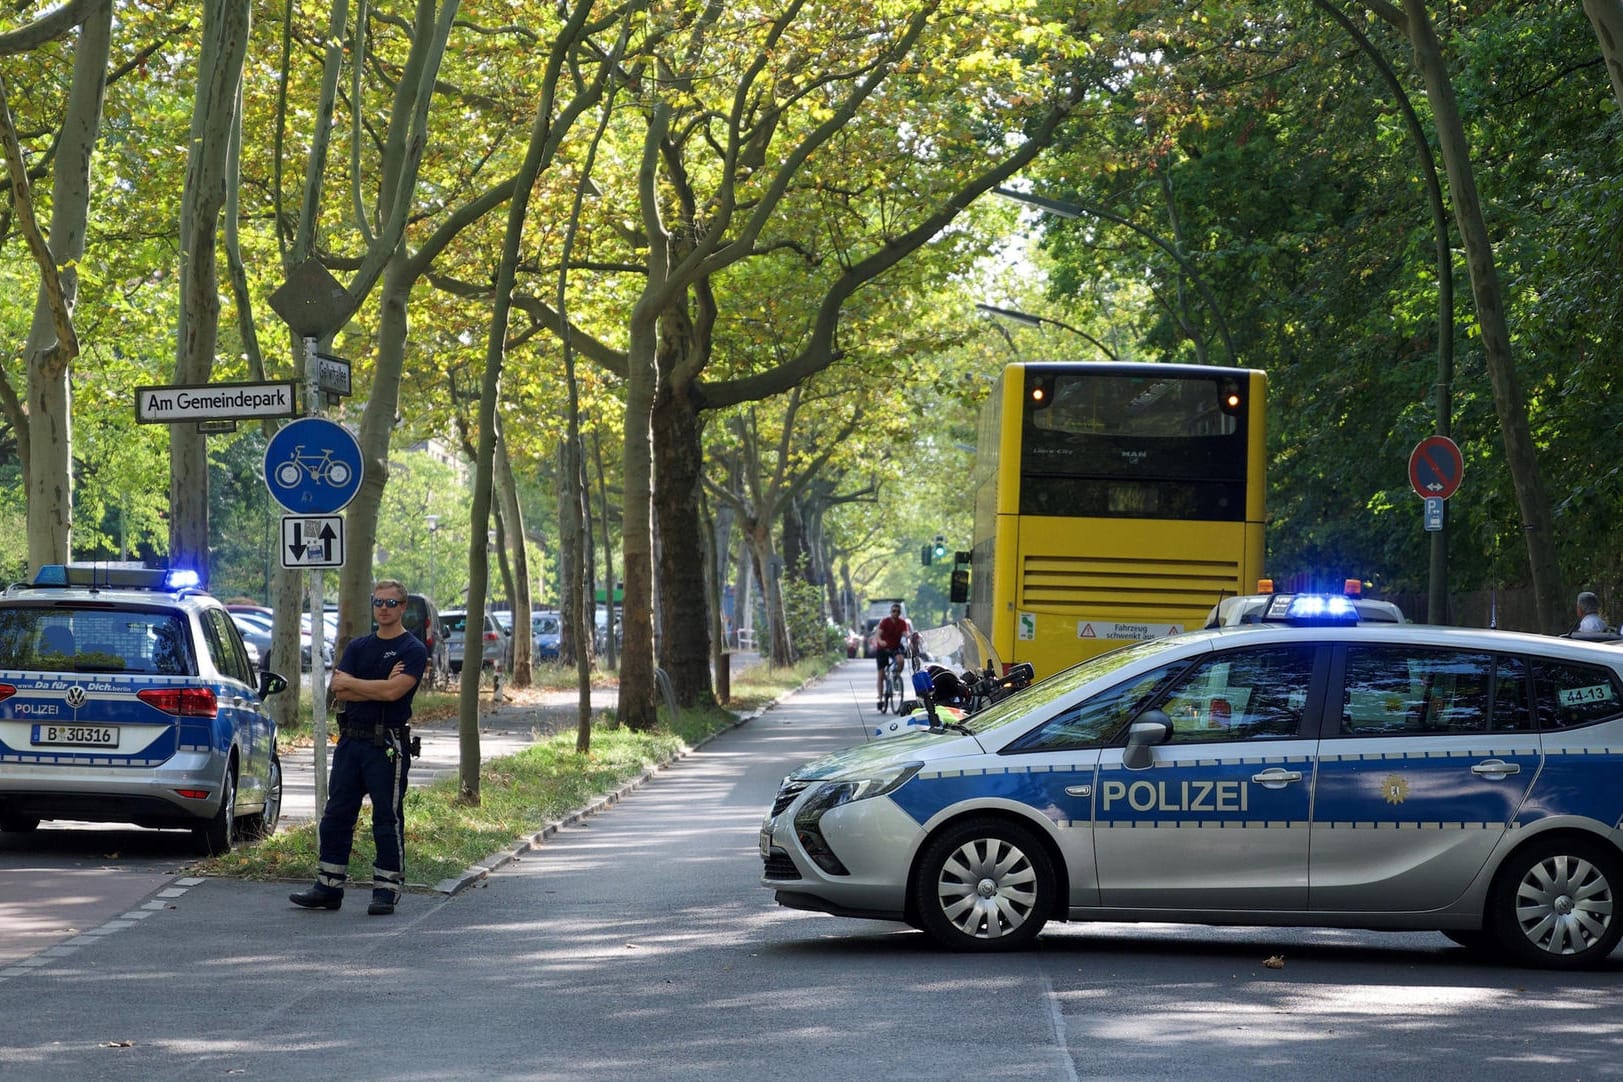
{"x":479,"y":872}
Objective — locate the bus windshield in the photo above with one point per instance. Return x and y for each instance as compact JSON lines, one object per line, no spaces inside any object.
{"x":1132,"y":446}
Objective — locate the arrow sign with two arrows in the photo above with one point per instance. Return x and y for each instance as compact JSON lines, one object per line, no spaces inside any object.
{"x":312,"y":541}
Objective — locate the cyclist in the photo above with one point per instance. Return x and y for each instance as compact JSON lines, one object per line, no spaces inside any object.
{"x":889,"y":637}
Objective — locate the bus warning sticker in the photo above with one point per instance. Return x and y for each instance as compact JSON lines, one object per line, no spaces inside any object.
{"x":1028,"y":626}
{"x":1099,"y":629}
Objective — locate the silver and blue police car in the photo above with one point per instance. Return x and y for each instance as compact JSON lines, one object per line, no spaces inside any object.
{"x":1298,"y":772}
{"x":127,"y":696}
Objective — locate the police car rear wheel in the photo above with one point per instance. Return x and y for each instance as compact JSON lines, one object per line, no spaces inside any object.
{"x":984,"y":885}
{"x":221,"y":832}
{"x":1554,"y":904}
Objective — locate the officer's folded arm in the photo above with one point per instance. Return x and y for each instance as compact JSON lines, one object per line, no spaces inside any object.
{"x":353,"y":689}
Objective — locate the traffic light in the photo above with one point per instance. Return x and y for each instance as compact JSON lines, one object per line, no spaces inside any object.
{"x":939,"y":550}
{"x":1230,"y":400}
{"x":925,"y":554}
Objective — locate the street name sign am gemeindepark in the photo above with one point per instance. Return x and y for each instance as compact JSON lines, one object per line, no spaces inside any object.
{"x":216,"y":402}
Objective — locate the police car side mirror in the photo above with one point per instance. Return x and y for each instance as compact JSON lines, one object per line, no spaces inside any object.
{"x":1149,"y":729}
{"x":270,"y":684}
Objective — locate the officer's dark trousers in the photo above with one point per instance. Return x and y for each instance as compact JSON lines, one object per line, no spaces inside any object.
{"x":362,"y":769}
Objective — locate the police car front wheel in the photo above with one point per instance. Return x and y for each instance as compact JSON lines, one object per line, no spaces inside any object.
{"x":1554,"y":904}
{"x":984,"y":885}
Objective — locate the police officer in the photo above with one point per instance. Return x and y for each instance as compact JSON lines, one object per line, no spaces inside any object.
{"x":375,"y":683}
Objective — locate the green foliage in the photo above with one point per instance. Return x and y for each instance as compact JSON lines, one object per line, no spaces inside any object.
{"x":809,"y":632}
{"x":1269,"y":153}
{"x":1258,"y":144}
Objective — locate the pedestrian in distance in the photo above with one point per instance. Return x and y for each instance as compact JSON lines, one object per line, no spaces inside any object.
{"x":374,"y":685}
{"x":1589,"y":617}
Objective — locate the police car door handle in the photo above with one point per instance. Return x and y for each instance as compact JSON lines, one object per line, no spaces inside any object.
{"x":1496,"y":768}
{"x":1276,"y":778}
{"x":1079,"y":790}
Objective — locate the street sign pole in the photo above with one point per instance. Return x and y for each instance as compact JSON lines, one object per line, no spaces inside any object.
{"x":318,"y":604}
{"x":315,"y":305}
{"x":1437,"y":580}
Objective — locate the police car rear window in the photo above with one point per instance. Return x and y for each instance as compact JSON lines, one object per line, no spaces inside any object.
{"x":1569,"y":695}
{"x":101,"y":640}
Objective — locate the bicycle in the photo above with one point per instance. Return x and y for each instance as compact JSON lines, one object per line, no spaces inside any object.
{"x":893,"y":685}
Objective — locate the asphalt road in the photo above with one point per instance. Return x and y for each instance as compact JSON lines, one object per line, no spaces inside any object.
{"x":638,"y":943}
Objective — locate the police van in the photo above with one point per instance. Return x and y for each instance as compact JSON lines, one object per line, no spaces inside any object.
{"x":128,"y":696}
{"x":1305,"y":770}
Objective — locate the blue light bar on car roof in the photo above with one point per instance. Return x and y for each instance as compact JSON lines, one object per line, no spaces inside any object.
{"x":116,"y":576}
{"x":1311,"y":609}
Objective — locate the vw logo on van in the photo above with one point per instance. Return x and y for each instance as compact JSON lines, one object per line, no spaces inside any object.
{"x":76,"y":696}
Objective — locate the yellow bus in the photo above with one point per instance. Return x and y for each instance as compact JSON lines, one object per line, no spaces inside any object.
{"x":1113,"y":502}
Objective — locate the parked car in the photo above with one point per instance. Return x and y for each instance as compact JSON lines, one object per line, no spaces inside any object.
{"x":422,"y":618}
{"x":546,"y":634}
{"x":504,"y":618}
{"x":494,"y":640}
{"x":600,"y":632}
{"x":129,"y":697}
{"x":255,"y":629}
{"x":1307,"y":770}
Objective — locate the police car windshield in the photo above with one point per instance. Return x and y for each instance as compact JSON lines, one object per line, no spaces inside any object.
{"x":1063,"y":683}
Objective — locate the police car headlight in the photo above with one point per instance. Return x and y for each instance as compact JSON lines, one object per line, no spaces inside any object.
{"x":832,"y":794}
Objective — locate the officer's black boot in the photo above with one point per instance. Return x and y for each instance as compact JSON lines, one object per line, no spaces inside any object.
{"x":386,"y":887}
{"x":318,"y":897}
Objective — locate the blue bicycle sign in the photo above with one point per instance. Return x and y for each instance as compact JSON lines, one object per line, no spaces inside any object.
{"x":323,"y":467}
{"x":313,"y":466}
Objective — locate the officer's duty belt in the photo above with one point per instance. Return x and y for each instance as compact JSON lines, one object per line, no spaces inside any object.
{"x":372,"y":733}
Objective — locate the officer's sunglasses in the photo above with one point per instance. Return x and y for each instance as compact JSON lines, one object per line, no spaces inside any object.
{"x":387,"y":602}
